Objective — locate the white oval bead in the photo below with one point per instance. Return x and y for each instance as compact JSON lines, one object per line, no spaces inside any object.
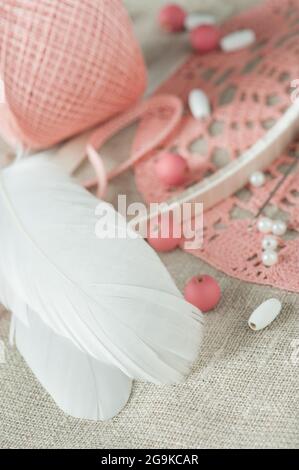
{"x":193,"y":20}
{"x":279,"y":228}
{"x":264,"y":225}
{"x":257,"y":179}
{"x":237,"y":40}
{"x":269,"y":258}
{"x":264,"y":314}
{"x":199,"y":104}
{"x":269,"y":243}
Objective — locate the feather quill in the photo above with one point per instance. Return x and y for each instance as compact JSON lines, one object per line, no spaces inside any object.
{"x":110,"y":300}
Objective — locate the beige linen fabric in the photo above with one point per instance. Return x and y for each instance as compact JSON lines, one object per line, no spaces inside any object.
{"x":243,"y":392}
{"x":244,"y":389}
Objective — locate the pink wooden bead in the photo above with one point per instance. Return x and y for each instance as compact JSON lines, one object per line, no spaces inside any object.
{"x":163,"y":245}
{"x":205,"y":38}
{"x":172,"y":18}
{"x":171,"y":169}
{"x":203,"y":292}
{"x":166,"y":235}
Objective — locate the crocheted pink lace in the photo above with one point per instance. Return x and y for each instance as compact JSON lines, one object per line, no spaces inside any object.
{"x":249,"y":90}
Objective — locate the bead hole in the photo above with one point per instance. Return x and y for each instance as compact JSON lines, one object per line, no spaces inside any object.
{"x":252,"y":326}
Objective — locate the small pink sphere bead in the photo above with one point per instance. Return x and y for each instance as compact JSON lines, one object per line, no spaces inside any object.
{"x":164,"y":235}
{"x":171,"y":169}
{"x":205,"y":38}
{"x":203,"y":292}
{"x":172,"y":18}
{"x":163,"y":245}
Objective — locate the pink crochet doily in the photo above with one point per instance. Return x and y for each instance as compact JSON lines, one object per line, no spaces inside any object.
{"x":249,"y":91}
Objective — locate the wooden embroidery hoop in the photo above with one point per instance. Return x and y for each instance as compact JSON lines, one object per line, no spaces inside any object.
{"x":215,"y":188}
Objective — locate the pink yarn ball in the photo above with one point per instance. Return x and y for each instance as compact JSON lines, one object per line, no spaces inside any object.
{"x":172,"y":18}
{"x":171,"y":169}
{"x":164,"y":234}
{"x":203,"y":292}
{"x":205,"y":38}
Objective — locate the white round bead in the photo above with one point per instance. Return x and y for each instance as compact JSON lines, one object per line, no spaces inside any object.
{"x":264,"y":225}
{"x":269,"y":258}
{"x":269,"y":243}
{"x":279,"y":228}
{"x":257,"y":179}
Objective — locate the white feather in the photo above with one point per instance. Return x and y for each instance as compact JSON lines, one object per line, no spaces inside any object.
{"x":82,"y":386}
{"x":111,"y":298}
{"x":11,"y":301}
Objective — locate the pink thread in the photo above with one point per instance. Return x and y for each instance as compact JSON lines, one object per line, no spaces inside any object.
{"x":66,"y":66}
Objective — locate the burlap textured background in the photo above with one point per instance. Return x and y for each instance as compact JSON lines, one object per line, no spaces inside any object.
{"x":244,"y":390}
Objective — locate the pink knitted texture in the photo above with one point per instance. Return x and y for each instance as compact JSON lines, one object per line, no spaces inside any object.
{"x":249,"y":91}
{"x":66,"y":66}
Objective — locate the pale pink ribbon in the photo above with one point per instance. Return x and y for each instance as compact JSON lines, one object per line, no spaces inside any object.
{"x":105,"y":132}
